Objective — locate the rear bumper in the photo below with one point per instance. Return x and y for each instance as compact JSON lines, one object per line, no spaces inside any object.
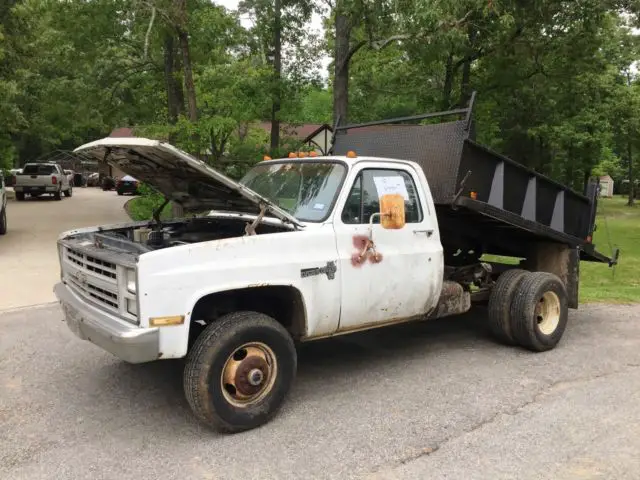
{"x":127,"y":342}
{"x":39,"y":189}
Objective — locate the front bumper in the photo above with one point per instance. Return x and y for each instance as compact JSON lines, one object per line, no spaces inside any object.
{"x":128,"y":342}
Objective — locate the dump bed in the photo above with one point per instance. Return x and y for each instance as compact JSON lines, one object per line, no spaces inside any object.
{"x":485,"y":201}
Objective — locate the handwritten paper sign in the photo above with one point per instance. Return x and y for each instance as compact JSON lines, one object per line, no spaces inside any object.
{"x":391,"y":185}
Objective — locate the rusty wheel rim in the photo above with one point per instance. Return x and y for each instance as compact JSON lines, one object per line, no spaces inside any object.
{"x":249,"y":374}
{"x":548,"y":313}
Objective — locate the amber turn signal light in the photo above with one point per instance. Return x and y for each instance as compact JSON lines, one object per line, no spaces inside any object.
{"x":164,"y":321}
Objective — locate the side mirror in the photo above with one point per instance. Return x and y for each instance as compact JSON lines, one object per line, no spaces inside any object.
{"x":392,"y":211}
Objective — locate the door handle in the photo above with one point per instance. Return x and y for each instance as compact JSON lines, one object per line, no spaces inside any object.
{"x":428,"y":232}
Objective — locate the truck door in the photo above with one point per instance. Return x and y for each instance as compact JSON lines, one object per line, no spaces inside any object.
{"x":405,"y":279}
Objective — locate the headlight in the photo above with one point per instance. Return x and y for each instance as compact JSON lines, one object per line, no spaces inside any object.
{"x":131,"y":280}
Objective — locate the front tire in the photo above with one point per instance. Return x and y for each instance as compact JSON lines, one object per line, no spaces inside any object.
{"x":539,"y":312}
{"x":239,"y":371}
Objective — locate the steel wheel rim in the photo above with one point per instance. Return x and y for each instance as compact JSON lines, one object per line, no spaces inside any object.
{"x":248,"y":374}
{"x":547,"y":313}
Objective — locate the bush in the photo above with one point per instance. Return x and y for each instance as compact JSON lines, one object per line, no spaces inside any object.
{"x":143,"y":206}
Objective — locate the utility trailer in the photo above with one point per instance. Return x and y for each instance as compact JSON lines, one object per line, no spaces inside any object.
{"x":487,"y":203}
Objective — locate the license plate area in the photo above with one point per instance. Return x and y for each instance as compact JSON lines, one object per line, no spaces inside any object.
{"x":72,"y":317}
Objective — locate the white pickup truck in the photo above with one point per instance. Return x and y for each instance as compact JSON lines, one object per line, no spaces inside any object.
{"x":42,"y":178}
{"x":301,"y":249}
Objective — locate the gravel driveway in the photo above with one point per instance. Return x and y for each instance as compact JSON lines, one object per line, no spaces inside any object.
{"x":28,"y":254}
{"x":425,"y":401}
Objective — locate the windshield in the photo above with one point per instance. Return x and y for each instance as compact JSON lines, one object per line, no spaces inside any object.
{"x":306,"y":190}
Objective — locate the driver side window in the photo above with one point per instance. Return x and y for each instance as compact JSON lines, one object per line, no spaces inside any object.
{"x":364,"y":198}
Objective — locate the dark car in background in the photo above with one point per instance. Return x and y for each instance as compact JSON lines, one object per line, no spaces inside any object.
{"x":108,"y":183}
{"x":127,"y":184}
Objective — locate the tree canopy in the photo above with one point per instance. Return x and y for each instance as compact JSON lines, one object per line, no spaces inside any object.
{"x":557,"y":83}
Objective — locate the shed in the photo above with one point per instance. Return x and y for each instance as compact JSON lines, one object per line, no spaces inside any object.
{"x":606,"y":186}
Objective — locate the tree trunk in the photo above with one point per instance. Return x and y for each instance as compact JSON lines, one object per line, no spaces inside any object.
{"x":568,"y":176}
{"x":188,"y":75}
{"x":177,"y":68}
{"x":585,"y":180}
{"x":465,"y":83}
{"x":448,"y":83}
{"x":277,"y":76}
{"x":341,"y":69}
{"x":631,"y":180}
{"x":173,"y":107}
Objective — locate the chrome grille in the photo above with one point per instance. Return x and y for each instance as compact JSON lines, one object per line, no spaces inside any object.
{"x":99,"y":281}
{"x":92,"y":264}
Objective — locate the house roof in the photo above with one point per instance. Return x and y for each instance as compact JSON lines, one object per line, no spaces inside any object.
{"x":298,"y":131}
{"x":122,"y":132}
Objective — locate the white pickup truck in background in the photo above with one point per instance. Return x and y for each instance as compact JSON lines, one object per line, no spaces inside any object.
{"x":42,"y":178}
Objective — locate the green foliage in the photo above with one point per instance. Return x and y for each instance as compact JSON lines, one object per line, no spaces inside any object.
{"x":553,"y":81}
{"x":621,"y":225}
{"x":143,"y":206}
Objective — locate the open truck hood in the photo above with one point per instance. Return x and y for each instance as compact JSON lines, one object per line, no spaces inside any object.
{"x":180,"y":177}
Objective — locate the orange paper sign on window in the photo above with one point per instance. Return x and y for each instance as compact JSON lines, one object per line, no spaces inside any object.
{"x":392,"y":211}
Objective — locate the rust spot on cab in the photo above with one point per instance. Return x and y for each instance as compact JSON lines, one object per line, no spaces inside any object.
{"x":366,"y":251}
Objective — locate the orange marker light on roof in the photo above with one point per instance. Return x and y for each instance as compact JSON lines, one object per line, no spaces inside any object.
{"x":351,"y":154}
{"x":313,"y":154}
{"x":303,"y":155}
{"x":474,"y":195}
{"x":266,"y":157}
{"x":293,"y":155}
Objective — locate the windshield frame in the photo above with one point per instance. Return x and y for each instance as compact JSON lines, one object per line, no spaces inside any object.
{"x":307,"y":161}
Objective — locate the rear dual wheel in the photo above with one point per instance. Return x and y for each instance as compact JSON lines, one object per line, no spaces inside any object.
{"x":529,"y":309}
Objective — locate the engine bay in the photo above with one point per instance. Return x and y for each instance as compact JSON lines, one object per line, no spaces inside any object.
{"x":147,"y":237}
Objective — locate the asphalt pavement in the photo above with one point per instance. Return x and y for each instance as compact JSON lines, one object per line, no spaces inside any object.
{"x":436,"y":400}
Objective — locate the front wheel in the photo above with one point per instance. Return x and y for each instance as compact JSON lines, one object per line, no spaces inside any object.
{"x":239,"y":371}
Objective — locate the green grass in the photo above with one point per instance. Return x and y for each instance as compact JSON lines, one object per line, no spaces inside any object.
{"x":621,"y":284}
